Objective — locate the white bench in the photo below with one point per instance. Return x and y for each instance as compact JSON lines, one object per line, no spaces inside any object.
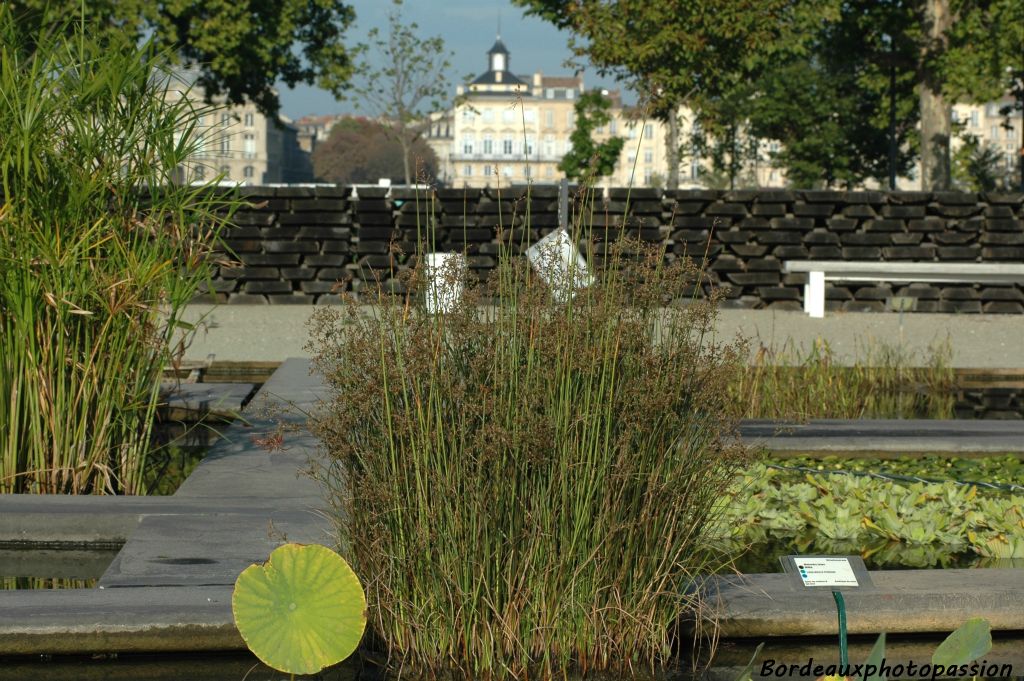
{"x":820,"y":271}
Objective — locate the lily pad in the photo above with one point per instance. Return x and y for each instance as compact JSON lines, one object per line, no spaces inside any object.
{"x":302,"y":610}
{"x":969,"y":642}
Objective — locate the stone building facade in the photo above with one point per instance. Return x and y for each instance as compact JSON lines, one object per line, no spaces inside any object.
{"x":244,"y":146}
{"x":509,"y":128}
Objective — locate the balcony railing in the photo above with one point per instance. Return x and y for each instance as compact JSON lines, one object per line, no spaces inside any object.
{"x":498,"y":159}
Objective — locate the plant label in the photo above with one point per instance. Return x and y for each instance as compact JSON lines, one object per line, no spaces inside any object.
{"x":559,"y":263}
{"x":832,"y":572}
{"x":444,"y":281}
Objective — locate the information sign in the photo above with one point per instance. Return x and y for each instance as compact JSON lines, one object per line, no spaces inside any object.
{"x":831,"y":572}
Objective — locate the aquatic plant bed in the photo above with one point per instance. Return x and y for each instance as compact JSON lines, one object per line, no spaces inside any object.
{"x":924,"y":517}
{"x":993,"y":473}
{"x":169,"y":589}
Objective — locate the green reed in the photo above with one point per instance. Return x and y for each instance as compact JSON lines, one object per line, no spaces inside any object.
{"x":884,"y":381}
{"x":100,"y":247}
{"x":523,"y":486}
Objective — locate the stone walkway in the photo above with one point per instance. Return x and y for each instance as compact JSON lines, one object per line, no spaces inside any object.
{"x":886,"y":436}
{"x":170,"y":586}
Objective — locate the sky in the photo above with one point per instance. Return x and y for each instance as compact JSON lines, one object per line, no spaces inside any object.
{"x":468,"y":28}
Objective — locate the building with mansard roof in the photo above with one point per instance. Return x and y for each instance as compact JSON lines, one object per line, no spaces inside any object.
{"x":510,"y":128}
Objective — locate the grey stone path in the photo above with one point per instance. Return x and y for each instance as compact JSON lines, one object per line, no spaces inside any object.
{"x":886,"y":436}
{"x":904,"y":601}
{"x":170,"y":586}
{"x":992,"y":341}
{"x":186,"y":400}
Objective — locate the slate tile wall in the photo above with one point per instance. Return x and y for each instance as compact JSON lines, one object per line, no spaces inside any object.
{"x":304,"y":245}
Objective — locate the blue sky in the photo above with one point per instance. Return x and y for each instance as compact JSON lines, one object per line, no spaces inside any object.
{"x":468,"y":28}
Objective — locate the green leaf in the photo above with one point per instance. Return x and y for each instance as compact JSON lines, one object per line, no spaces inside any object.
{"x":302,"y":610}
{"x":875,"y":659}
{"x":972,"y":640}
{"x":747,"y":672}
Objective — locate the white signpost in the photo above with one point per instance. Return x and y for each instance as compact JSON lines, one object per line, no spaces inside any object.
{"x":828,"y":572}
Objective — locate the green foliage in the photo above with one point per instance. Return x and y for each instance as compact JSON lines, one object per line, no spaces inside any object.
{"x":360,"y":150}
{"x":829,"y":109}
{"x":977,"y":166}
{"x":875,"y":659}
{"x":100,"y":249}
{"x":587,"y":159}
{"x":970,"y":641}
{"x":409,"y":84}
{"x":985,"y":56}
{"x":676,"y":52}
{"x":242,"y":49}
{"x":887,"y":382}
{"x":1007,"y":469}
{"x":528,"y":484}
{"x":893,"y":522}
{"x":302,"y":610}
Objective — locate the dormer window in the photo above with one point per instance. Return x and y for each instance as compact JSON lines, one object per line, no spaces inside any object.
{"x":497,"y":62}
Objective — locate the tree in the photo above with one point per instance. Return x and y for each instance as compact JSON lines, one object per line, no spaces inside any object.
{"x":587,"y":159}
{"x":985,"y":59}
{"x":936,"y":126}
{"x":405,"y":82}
{"x":976,"y":167}
{"x":847,"y":111}
{"x":681,"y":52}
{"x":966,"y":50}
{"x":722,"y":134}
{"x":360,"y":150}
{"x":241,"y":49}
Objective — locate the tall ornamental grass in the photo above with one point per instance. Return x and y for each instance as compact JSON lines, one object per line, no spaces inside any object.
{"x":100,"y":247}
{"x":886,"y":381}
{"x":525,"y":486}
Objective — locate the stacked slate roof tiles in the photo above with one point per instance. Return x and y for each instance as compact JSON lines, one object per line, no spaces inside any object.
{"x":307,"y":244}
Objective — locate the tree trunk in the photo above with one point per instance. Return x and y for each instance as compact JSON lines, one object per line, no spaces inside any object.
{"x":406,"y":147}
{"x":672,"y":149}
{"x":935,"y":117}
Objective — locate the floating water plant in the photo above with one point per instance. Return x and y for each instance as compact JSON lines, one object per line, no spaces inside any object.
{"x":302,"y":610}
{"x":908,"y":521}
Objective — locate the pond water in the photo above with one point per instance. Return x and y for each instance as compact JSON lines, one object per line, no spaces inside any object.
{"x":178,"y":447}
{"x":727,"y":662}
{"x":34,"y":568}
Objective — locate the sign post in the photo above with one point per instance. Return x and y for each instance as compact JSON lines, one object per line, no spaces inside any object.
{"x":835,"y":573}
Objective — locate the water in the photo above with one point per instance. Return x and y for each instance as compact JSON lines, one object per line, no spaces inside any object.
{"x":34,"y":568}
{"x":729,"y":659}
{"x":178,"y":448}
{"x":206,"y":667}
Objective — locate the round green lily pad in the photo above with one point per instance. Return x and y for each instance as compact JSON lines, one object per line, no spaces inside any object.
{"x":302,"y":610}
